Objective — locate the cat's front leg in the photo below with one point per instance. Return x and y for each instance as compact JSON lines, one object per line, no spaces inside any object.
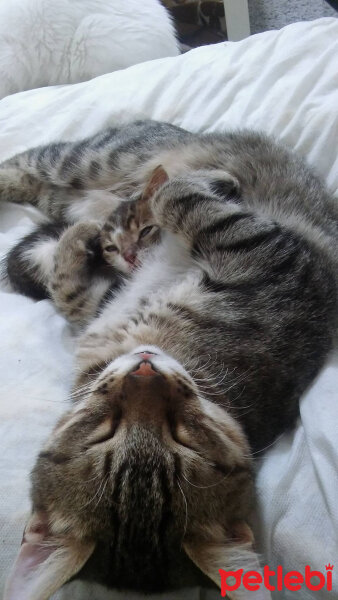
{"x":215,"y":227}
{"x":77,"y":285}
{"x":188,"y":206}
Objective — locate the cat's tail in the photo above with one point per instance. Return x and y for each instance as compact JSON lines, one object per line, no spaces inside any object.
{"x":19,"y":187}
{"x":33,"y":176}
{"x":34,"y":184}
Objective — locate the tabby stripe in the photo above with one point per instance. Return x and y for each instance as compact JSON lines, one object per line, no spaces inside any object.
{"x":116,"y":501}
{"x":190,"y":315}
{"x":94,"y":169}
{"x":57,"y":459}
{"x":73,"y":295}
{"x":215,"y":286}
{"x":177,"y":466}
{"x":107,"y":465}
{"x":186,"y":205}
{"x":166,"y":515}
{"x":77,"y":183}
{"x":224,"y":223}
{"x":250,"y":243}
{"x":288,"y":261}
{"x":41,"y":161}
{"x":241,"y":287}
{"x":73,"y":157}
{"x":99,"y":140}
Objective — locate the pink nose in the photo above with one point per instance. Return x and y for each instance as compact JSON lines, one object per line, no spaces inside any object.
{"x":146,"y":355}
{"x":130,"y":257}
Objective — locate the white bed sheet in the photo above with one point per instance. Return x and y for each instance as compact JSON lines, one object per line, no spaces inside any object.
{"x":282,"y":82}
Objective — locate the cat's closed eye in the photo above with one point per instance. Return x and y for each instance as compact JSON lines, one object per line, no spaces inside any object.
{"x":145,"y":231}
{"x":104,"y":432}
{"x":111,"y":248}
{"x":182,"y":437}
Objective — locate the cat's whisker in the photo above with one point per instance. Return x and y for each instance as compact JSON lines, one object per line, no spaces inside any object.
{"x":103,"y":491}
{"x":186,"y":508}
{"x":273,"y":443}
{"x":209,"y":393}
{"x":95,"y":478}
{"x":216,"y":380}
{"x":98,"y":491}
{"x":231,"y":401}
{"x":205,"y":487}
{"x":211,"y":385}
{"x":206,"y":388}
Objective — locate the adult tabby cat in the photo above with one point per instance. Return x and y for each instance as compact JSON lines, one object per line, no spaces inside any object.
{"x":185,"y":369}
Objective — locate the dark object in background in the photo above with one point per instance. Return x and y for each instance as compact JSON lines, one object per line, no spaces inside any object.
{"x":198,"y":22}
{"x":333,"y":3}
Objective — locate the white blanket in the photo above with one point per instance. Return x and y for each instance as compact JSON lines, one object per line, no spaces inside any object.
{"x":283,"y":82}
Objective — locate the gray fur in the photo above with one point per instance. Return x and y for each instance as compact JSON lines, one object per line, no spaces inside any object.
{"x":242,"y":291}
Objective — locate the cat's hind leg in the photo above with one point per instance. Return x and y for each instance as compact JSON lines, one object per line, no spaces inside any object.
{"x":28,"y":266}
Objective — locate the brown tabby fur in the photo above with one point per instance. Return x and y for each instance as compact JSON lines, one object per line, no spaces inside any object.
{"x":237,"y":306}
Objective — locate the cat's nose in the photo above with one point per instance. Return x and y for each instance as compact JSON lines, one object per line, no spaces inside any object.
{"x":146,"y":355}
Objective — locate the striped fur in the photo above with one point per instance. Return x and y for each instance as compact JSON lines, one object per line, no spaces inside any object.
{"x":241,"y":293}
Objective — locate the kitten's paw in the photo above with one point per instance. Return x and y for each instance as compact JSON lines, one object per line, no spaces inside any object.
{"x":82,"y":238}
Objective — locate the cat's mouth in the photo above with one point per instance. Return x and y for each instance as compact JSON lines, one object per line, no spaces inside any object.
{"x":145,"y":368}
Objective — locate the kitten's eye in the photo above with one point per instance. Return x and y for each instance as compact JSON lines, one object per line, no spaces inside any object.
{"x":111,"y":248}
{"x":145,"y":231}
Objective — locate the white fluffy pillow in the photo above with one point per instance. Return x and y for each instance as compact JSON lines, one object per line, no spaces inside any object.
{"x":48,"y":42}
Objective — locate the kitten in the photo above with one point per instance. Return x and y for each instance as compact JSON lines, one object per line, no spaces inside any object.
{"x":197,"y":360}
{"x":123,"y":241}
{"x":112,"y":251}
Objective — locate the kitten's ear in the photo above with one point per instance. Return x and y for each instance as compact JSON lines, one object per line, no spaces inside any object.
{"x":158,"y":178}
{"x":233,"y":554}
{"x":44,"y":562}
{"x":223,"y":184}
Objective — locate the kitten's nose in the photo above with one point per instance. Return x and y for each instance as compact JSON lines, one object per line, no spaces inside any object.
{"x":130,"y":256}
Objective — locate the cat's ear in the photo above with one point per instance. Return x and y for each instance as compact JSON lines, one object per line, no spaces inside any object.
{"x":44,"y":562}
{"x":232,"y":553}
{"x":158,"y":178}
